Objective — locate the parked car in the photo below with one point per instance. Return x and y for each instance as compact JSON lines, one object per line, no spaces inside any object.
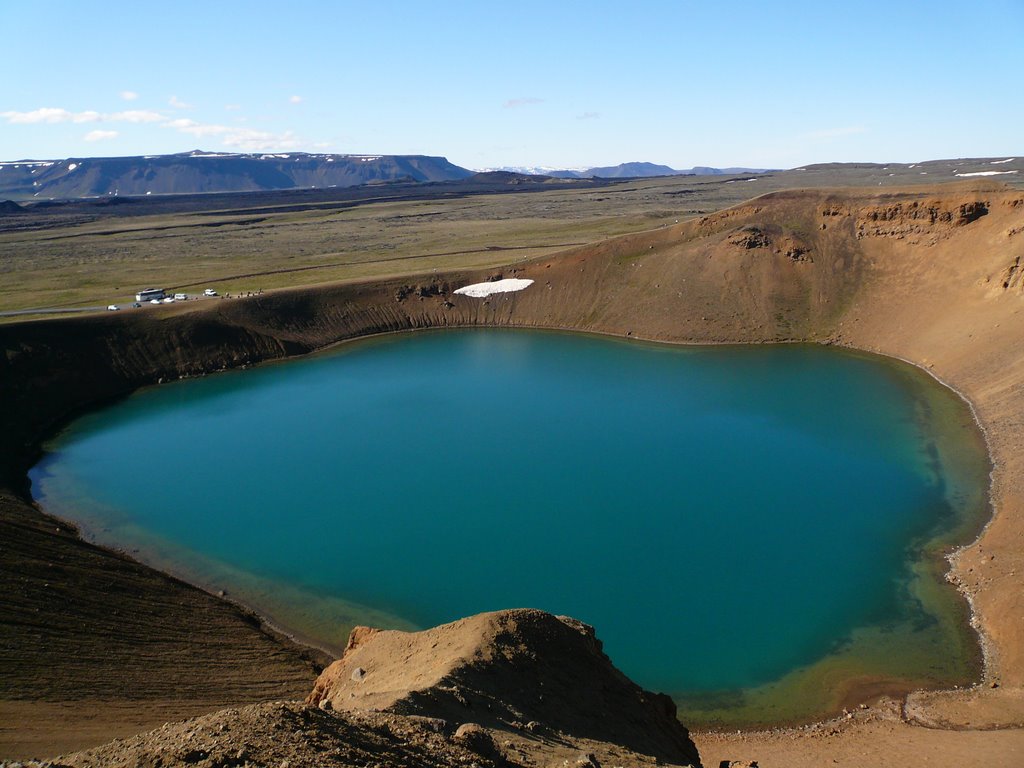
{"x":181,"y":297}
{"x":136,"y":305}
{"x":209,"y":292}
{"x":112,"y":308}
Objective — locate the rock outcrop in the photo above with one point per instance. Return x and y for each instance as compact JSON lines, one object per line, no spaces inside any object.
{"x":519,"y":670}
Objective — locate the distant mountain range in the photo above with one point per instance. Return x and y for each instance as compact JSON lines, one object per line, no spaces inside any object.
{"x":199,"y":171}
{"x":626,"y":171}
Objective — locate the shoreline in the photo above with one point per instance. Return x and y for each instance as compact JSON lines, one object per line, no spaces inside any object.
{"x":952,"y":557}
{"x":873,"y":688}
{"x":882,"y":279}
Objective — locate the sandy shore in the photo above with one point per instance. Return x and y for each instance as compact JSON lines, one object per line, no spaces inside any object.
{"x":919,"y":275}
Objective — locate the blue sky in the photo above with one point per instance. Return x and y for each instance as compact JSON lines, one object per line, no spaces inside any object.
{"x":567,"y":84}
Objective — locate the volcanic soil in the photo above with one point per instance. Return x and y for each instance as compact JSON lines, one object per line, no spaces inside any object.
{"x":94,"y":645}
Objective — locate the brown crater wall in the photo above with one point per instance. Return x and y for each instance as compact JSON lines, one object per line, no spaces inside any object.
{"x":924,"y":274}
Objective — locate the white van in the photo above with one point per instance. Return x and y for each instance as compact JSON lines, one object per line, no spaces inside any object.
{"x":181,"y":297}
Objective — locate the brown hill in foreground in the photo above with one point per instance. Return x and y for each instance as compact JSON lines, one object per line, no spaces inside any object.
{"x":511,"y":688}
{"x":505,"y":670}
{"x":931,"y":275}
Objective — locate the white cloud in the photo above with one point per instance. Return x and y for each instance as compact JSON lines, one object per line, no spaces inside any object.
{"x":589,"y":116}
{"x":261,"y":141}
{"x":129,"y":95}
{"x":56,"y":115}
{"x":184,"y":125}
{"x":177,"y":103}
{"x":180,"y":123}
{"x":100,"y":135}
{"x":50,"y":115}
{"x":295,"y":99}
{"x":135,"y":116}
{"x":835,"y":133}
{"x":232,"y":107}
{"x":522,"y":102}
{"x":206,"y":130}
{"x":237,"y":137}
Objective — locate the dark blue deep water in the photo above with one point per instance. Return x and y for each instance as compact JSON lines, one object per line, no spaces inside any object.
{"x":724,"y":516}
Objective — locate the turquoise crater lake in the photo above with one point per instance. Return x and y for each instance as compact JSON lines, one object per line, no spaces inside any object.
{"x":755,"y":530}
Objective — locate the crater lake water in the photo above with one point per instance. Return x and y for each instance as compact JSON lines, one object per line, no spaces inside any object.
{"x":755,"y":530}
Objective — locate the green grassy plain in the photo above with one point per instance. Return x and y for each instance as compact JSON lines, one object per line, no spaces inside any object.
{"x":55,"y":259}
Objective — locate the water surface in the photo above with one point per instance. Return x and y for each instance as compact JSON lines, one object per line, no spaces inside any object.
{"x":752,"y":529}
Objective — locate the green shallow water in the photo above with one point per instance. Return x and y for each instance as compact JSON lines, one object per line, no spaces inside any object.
{"x":751,"y":529}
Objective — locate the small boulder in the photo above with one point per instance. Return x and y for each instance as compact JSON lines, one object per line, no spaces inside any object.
{"x":476,"y":738}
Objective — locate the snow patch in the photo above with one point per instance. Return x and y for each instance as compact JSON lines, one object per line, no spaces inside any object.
{"x":984,"y":173}
{"x":530,"y":170}
{"x":72,"y":166}
{"x":483,"y":290}
{"x":999,"y":162}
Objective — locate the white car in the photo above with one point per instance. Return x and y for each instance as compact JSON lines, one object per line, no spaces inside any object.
{"x":112,"y":308}
{"x":181,"y":297}
{"x":169,"y":300}
{"x":154,"y":301}
{"x":209,"y":292}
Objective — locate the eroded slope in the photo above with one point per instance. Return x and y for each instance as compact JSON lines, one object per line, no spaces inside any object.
{"x":930,"y":275}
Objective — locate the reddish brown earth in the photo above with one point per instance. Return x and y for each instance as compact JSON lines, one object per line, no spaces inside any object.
{"x":931,"y":275}
{"x":505,"y":670}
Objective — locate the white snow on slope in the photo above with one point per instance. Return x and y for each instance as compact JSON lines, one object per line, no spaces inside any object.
{"x":483,"y":290}
{"x":984,"y":173}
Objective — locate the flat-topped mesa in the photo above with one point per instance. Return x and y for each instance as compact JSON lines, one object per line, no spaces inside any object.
{"x":509,"y":670}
